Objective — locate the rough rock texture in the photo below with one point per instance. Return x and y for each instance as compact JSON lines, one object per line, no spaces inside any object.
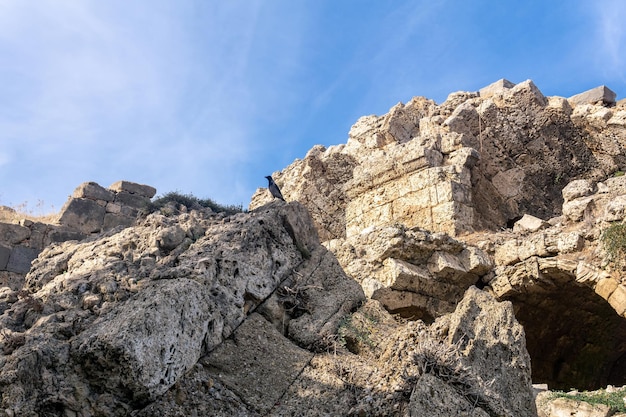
{"x":522,"y":185}
{"x":477,"y":229}
{"x":91,"y":209}
{"x":110,"y":324}
{"x":477,"y":161}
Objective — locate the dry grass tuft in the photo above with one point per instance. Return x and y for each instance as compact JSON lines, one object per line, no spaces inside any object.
{"x":22,"y":211}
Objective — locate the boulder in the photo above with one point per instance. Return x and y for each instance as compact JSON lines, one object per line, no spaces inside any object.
{"x":599,"y":95}
{"x":133,"y":188}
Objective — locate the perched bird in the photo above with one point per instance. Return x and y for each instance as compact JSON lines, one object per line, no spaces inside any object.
{"x":274,"y":188}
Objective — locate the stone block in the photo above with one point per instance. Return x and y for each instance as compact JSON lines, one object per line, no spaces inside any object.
{"x":131,"y":187}
{"x":5,"y":253}
{"x":404,"y":276}
{"x":63,"y":234}
{"x":258,"y":363}
{"x":495,"y":88}
{"x":560,"y":103}
{"x":599,"y":95}
{"x":570,"y":242}
{"x":137,"y":201}
{"x":465,"y":157}
{"x":13,"y":233}
{"x":20,"y":259}
{"x":605,"y":287}
{"x":576,"y":189}
{"x":532,"y":246}
{"x":83,"y":214}
{"x":446,"y":266}
{"x":617,"y":300}
{"x":148,"y":345}
{"x":507,"y":253}
{"x":475,"y":261}
{"x":112,"y":220}
{"x":38,"y":233}
{"x":615,"y":209}
{"x":509,"y":183}
{"x":575,"y":210}
{"x":92,"y":191}
{"x":529,"y":223}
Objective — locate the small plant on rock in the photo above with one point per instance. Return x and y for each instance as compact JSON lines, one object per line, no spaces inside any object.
{"x":613,"y":239}
{"x":613,"y":398}
{"x":191,"y":202}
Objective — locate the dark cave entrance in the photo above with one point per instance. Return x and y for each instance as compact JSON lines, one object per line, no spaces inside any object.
{"x":574,"y":338}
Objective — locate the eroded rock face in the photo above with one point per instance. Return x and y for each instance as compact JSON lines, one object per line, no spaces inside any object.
{"x":474,"y":162}
{"x":110,"y":324}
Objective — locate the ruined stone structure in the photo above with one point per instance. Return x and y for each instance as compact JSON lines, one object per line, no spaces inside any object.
{"x":438,"y":263}
{"x":91,"y":209}
{"x":521,"y":184}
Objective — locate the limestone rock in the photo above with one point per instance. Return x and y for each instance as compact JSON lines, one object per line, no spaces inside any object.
{"x":529,"y":223}
{"x":495,"y":88}
{"x":115,"y":321}
{"x":133,"y":188}
{"x":146,"y":345}
{"x":567,"y":407}
{"x":433,"y":397}
{"x":85,"y":215}
{"x":92,"y":191}
{"x":602,"y":95}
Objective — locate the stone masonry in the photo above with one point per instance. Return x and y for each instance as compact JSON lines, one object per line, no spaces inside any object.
{"x":91,"y":209}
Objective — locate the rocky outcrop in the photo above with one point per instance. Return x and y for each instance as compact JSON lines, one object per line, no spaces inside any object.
{"x":91,"y":209}
{"x":503,"y":188}
{"x":477,"y":161}
{"x":110,"y":324}
{"x":465,"y":254}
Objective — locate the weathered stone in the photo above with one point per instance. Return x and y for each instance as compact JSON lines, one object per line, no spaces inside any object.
{"x":615,"y":209}
{"x":566,"y":407}
{"x":496,"y":88}
{"x":434,"y":398}
{"x":617,"y":300}
{"x":576,"y":189}
{"x":560,"y":104}
{"x":529,"y":223}
{"x":576,"y":210}
{"x":570,"y":242}
{"x":507,"y":253}
{"x":13,"y":233}
{"x":134,"y":188}
{"x":329,"y":295}
{"x":171,"y":237}
{"x":599,"y":95}
{"x":5,"y":253}
{"x":509,"y":183}
{"x":493,"y":342}
{"x":128,"y":199}
{"x":83,"y":214}
{"x":258,"y":363}
{"x":605,"y":287}
{"x":112,"y":220}
{"x":92,"y":191}
{"x":144,"y":347}
{"x":21,"y":259}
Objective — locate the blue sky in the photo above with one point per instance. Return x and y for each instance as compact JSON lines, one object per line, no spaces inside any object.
{"x":207,"y":97}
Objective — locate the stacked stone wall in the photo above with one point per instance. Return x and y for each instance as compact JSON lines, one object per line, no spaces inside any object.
{"x":90,"y":209}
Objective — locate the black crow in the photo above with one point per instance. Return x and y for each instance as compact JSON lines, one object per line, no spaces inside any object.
{"x":274,"y":188}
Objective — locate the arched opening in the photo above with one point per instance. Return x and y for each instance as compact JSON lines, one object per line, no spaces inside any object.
{"x":574,"y":337}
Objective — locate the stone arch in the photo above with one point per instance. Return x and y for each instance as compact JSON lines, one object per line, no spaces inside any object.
{"x":573,"y":317}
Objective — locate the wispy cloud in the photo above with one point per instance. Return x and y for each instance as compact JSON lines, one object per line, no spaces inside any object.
{"x":610,"y":46}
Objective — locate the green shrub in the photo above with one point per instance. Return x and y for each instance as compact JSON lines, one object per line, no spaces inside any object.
{"x":190,"y":201}
{"x":614,"y":399}
{"x":614,"y":241}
